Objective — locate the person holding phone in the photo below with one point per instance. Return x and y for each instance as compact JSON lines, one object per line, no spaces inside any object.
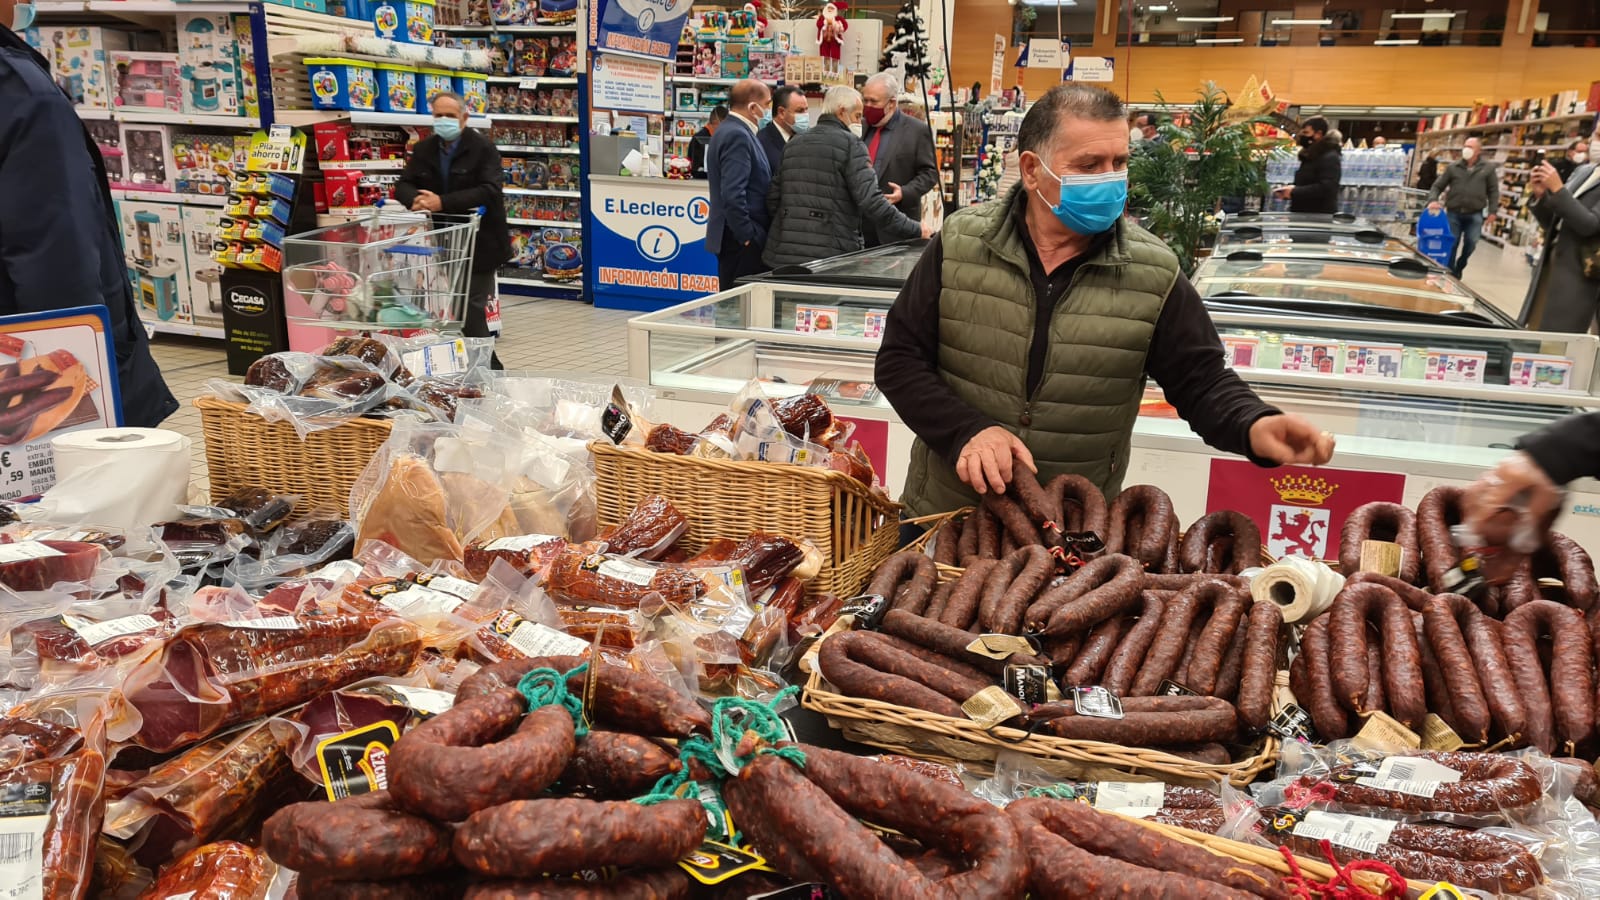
{"x":1564,"y":294}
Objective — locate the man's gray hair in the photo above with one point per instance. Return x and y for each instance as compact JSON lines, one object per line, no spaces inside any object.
{"x":888,"y":82}
{"x":450,"y":95}
{"x":840,"y":99}
{"x":1066,"y":101}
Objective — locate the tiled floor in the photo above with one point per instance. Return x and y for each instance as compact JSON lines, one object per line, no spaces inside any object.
{"x":570,"y":336}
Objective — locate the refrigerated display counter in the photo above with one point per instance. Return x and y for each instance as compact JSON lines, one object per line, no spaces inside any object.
{"x":1417,"y":396}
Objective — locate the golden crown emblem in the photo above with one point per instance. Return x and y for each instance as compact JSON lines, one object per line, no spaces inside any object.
{"x":1303,"y":489}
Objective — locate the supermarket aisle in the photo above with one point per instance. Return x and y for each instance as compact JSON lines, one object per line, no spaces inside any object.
{"x":541,"y":335}
{"x":1500,"y":275}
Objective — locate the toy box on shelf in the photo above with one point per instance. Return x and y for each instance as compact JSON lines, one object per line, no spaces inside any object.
{"x":203,"y":273}
{"x":520,"y":135}
{"x":208,"y":56}
{"x":153,"y":248}
{"x":146,"y":158}
{"x":145,"y":82}
{"x":551,"y":253}
{"x":202,"y":162}
{"x":77,"y":58}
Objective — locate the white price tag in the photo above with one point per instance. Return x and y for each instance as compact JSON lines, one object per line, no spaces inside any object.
{"x":627,"y":570}
{"x":96,"y":633}
{"x":456,"y":587}
{"x":1410,"y":775}
{"x":535,"y":639}
{"x":521,"y":543}
{"x":1360,"y":833}
{"x":24,"y":815}
{"x":1138,"y":799}
{"x":447,"y":358}
{"x":24,"y":550}
{"x":528,"y":84}
{"x":271,"y":623}
{"x":421,"y":601}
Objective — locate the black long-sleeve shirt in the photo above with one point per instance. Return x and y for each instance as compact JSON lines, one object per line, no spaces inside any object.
{"x":1186,"y":359}
{"x":1566,"y":450}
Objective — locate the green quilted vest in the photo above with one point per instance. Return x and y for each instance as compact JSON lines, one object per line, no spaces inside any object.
{"x":1080,"y":419}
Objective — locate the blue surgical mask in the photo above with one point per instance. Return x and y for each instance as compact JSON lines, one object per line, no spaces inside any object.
{"x":766,"y":118}
{"x":22,"y":17}
{"x":802,"y":122}
{"x":447,"y":129}
{"x":1091,"y":204}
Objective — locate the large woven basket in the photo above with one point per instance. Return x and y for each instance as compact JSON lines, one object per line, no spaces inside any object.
{"x":854,"y":528}
{"x":926,"y":735}
{"x":245,"y":450}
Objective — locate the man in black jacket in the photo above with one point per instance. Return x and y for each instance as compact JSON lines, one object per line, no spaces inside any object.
{"x":825,"y":189}
{"x":456,"y":170}
{"x":1316,"y":183}
{"x":900,"y":147}
{"x":702,"y":140}
{"x":791,"y":115}
{"x":60,"y":246}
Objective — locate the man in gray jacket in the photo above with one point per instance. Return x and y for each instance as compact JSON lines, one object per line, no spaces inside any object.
{"x":824,"y":189}
{"x":1471,"y":189}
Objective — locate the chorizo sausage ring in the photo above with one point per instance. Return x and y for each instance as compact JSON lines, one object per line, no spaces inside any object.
{"x":1011,"y":586}
{"x":1432,"y":853}
{"x":1210,"y":650}
{"x":961,"y":610}
{"x":1042,"y":507}
{"x":1560,"y":705}
{"x":612,"y":764}
{"x":1150,"y":504}
{"x":1561,"y":558}
{"x":1439,"y":509}
{"x":861,"y":664}
{"x":1014,"y":522}
{"x":455,"y":764}
{"x":949,"y":641}
{"x":905,"y":579}
{"x":988,"y":533}
{"x":1209,"y":531}
{"x":1090,"y":576}
{"x":1183,"y":614}
{"x":1327,"y":713}
{"x":1158,"y":722}
{"x":1402,"y":661}
{"x":1097,"y":649}
{"x":1058,"y":870}
{"x":529,"y":838}
{"x":1490,"y":783}
{"x":357,"y":839}
{"x":1380,"y":521}
{"x":1077,"y":609}
{"x":624,"y":699}
{"x":1132,"y":649}
{"x":815,"y":812}
{"x":1083,"y":507}
{"x":1259,"y":669}
{"x":1468,"y":708}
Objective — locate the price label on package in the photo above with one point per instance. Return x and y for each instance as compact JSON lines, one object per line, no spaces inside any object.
{"x":1360,"y":833}
{"x":1373,"y":360}
{"x":1540,"y":372}
{"x":1455,"y":366}
{"x":1318,"y":357}
{"x":24,"y":813}
{"x":1410,"y":775}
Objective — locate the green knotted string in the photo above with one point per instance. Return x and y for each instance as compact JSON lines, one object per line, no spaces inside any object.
{"x":731,"y":717}
{"x":548,"y":687}
{"x":1056,"y":791}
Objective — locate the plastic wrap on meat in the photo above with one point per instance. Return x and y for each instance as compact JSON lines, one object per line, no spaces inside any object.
{"x":669,"y":439}
{"x":24,"y":740}
{"x":765,"y":558}
{"x":409,"y":513}
{"x":213,"y":675}
{"x":66,"y":791}
{"x":221,"y":788}
{"x":261,"y":509}
{"x":344,"y":386}
{"x":373,"y":353}
{"x":582,"y":576}
{"x":527,"y":553}
{"x":226,"y":870}
{"x":38,"y":565}
{"x":325,"y":539}
{"x":445,"y":396}
{"x":67,"y":644}
{"x":272,"y":373}
{"x":649,"y":530}
{"x":806,"y":416}
{"x":199,"y":531}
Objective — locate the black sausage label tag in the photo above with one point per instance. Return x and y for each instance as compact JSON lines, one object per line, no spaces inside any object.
{"x":357,"y":762}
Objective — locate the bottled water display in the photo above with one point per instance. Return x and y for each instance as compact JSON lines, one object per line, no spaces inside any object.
{"x":1369,"y":181}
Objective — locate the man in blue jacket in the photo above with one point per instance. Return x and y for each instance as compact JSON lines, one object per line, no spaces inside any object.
{"x":59,"y":242}
{"x":736,"y":230}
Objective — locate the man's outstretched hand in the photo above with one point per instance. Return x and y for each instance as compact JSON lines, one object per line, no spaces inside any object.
{"x":1288,"y":439}
{"x":986,"y":461}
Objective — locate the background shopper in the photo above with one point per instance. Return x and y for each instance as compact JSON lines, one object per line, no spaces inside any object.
{"x":736,"y":231}
{"x":701,"y":140}
{"x":1471,"y":191}
{"x":791,"y":114}
{"x":826,"y":188}
{"x":1316,"y":182}
{"x":1563,"y":295}
{"x":60,"y":245}
{"x":456,"y":170}
{"x":900,"y":147}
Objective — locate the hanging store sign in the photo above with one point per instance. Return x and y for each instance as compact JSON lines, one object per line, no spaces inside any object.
{"x":648,"y":28}
{"x":649,"y":242}
{"x":624,"y":83}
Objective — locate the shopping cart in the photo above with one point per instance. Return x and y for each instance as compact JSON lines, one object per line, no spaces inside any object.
{"x":393,"y":269}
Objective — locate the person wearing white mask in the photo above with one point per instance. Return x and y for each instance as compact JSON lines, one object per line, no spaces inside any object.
{"x":826,"y":188}
{"x":1577,"y":154}
{"x":1563,"y":295}
{"x":736,"y":229}
{"x":1471,"y":191}
{"x":1025,"y":334}
{"x":60,"y":244}
{"x":791,"y":115}
{"x":456,"y":170}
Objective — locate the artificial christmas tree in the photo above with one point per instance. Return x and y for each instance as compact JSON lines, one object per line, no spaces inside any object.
{"x":911,"y":39}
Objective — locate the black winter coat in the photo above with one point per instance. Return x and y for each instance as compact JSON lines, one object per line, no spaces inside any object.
{"x":475,"y":180}
{"x":1316,"y":183}
{"x":60,"y":245}
{"x":822,"y":193}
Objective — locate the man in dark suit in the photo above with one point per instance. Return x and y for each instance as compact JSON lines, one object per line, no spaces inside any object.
{"x":702,"y":140}
{"x":900,"y":147}
{"x":60,"y":245}
{"x":736,"y":231}
{"x":456,"y":170}
{"x":791,"y":115}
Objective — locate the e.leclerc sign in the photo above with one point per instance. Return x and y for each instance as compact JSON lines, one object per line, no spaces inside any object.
{"x":648,"y":246}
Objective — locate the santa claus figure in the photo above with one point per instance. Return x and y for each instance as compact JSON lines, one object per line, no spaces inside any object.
{"x":830,"y":34}
{"x":759,"y":19}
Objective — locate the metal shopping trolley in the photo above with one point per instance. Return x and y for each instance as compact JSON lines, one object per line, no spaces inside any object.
{"x":393,"y":269}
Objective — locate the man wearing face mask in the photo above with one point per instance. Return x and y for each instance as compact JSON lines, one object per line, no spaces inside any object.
{"x":900,"y":147}
{"x":60,"y":245}
{"x":456,"y":170}
{"x":1026,"y":332}
{"x":1316,"y":182}
{"x":791,"y":115}
{"x":1577,"y":154}
{"x":736,"y":230}
{"x":826,"y":189}
{"x":1471,"y":190}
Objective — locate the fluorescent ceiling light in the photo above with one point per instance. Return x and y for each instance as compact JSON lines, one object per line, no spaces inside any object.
{"x":1425,"y":15}
{"x":1219,"y":40}
{"x":1049,"y":2}
{"x":1301,"y":22}
{"x":1404,"y":43}
{"x":1205,"y":18}
{"x":1159,"y":8}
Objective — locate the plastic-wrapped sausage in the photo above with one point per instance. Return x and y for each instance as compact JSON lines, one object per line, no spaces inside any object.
{"x":1560,"y":706}
{"x":911,"y":570}
{"x":226,"y":870}
{"x":1004,"y":600}
{"x":1490,"y":784}
{"x":582,"y":575}
{"x":1380,"y":521}
{"x":648,"y":531}
{"x":356,"y":839}
{"x":624,"y":699}
{"x":70,"y":802}
{"x":530,"y":838}
{"x":1429,"y":853}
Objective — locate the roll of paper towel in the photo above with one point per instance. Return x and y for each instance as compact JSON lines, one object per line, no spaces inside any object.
{"x":125,"y":478}
{"x":1302,"y":588}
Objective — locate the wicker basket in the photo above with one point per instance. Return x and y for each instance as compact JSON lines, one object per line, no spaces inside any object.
{"x":245,"y":450}
{"x":937,"y":524}
{"x":926,"y":735}
{"x":854,"y":528}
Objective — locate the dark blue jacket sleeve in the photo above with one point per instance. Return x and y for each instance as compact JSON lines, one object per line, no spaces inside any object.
{"x":737,"y":164}
{"x":51,"y":214}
